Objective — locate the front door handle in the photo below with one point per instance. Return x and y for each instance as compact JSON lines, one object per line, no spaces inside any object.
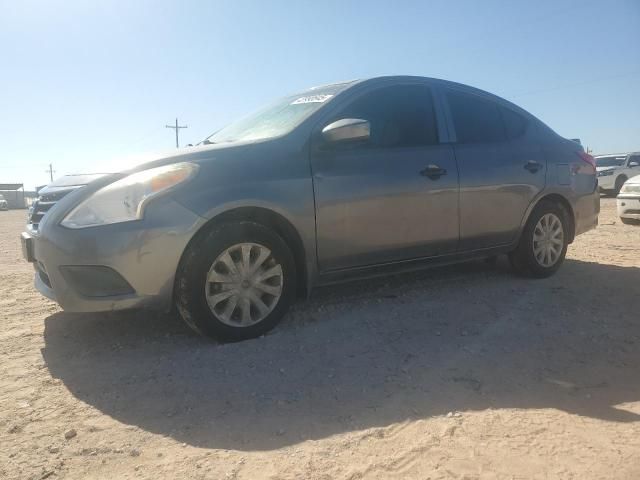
{"x":533,"y":166}
{"x":433,"y":172}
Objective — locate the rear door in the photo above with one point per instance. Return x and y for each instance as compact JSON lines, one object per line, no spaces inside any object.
{"x":378,"y":201}
{"x":501,"y":165}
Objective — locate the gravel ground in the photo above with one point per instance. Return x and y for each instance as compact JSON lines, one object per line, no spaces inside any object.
{"x":458,"y":372}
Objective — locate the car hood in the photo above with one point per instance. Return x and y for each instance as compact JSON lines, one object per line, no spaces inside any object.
{"x":634,"y":180}
{"x":134,"y":162}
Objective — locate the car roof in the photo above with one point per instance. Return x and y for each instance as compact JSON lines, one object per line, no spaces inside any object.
{"x":398,"y":78}
{"x":390,"y":79}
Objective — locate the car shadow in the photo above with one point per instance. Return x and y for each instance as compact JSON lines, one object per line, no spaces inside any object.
{"x":369,"y":354}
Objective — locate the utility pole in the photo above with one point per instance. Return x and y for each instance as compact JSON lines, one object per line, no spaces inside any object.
{"x":176,"y":127}
{"x":50,"y":171}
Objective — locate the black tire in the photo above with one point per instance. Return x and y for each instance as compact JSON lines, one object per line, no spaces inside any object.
{"x":629,"y":221}
{"x":522,"y":259}
{"x":190,"y":297}
{"x":619,"y":182}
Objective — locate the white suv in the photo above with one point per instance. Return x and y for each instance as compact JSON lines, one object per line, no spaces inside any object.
{"x":614,"y":170}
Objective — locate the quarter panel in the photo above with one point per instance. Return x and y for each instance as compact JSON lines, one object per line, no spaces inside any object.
{"x":573,"y":179}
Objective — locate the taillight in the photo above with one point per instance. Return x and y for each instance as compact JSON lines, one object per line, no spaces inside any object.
{"x":585,"y":157}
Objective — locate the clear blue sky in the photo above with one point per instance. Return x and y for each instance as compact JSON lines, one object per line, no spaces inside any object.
{"x":83,"y":82}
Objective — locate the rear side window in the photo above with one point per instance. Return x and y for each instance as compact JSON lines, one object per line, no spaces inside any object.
{"x":514,"y":123}
{"x":400,"y":116}
{"x":475,"y":120}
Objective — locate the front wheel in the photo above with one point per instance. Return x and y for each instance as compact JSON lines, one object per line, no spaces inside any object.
{"x":236,"y":281}
{"x":544,"y":241}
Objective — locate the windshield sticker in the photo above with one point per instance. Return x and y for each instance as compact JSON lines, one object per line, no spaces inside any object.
{"x":312,"y":99}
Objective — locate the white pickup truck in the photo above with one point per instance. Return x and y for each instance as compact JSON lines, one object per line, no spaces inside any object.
{"x":614,"y":170}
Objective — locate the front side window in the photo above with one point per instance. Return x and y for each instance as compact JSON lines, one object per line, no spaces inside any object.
{"x":399,"y":116}
{"x":476,"y":120}
{"x":634,"y":158}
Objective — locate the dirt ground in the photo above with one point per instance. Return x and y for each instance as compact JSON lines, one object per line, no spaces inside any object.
{"x":464,"y":372}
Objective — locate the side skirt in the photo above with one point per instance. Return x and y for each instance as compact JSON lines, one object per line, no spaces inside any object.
{"x":405,"y":266}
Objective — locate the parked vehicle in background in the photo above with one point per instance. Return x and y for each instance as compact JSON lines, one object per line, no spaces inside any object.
{"x":629,"y":201}
{"x":614,"y":170}
{"x":49,"y":195}
{"x":338,"y":182}
{"x":4,"y":205}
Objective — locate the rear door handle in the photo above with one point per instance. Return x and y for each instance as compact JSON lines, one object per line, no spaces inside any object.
{"x":433,"y":172}
{"x":533,"y":166}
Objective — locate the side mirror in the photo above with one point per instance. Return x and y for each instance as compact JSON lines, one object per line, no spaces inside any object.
{"x":346,"y":130}
{"x":634,"y":164}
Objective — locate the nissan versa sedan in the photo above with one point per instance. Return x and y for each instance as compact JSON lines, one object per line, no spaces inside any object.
{"x":338,"y":182}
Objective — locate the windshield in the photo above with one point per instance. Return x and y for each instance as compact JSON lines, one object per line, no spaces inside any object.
{"x":276,"y":119}
{"x":609,"y":161}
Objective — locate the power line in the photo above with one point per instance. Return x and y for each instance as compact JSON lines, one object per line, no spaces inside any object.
{"x":177,"y":129}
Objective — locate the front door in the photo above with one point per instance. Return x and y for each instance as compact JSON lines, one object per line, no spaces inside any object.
{"x":392,"y":198}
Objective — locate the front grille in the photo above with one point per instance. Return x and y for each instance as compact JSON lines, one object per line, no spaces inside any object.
{"x":44,"y":203}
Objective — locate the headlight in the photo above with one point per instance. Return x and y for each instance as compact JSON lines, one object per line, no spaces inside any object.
{"x":125,"y":199}
{"x":605,"y":173}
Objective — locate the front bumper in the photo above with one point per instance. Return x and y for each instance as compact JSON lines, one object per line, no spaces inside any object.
{"x":628,"y":206}
{"x":144,"y":254}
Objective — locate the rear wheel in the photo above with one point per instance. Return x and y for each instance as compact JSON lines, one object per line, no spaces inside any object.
{"x":544,"y":241}
{"x":235,"y":282}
